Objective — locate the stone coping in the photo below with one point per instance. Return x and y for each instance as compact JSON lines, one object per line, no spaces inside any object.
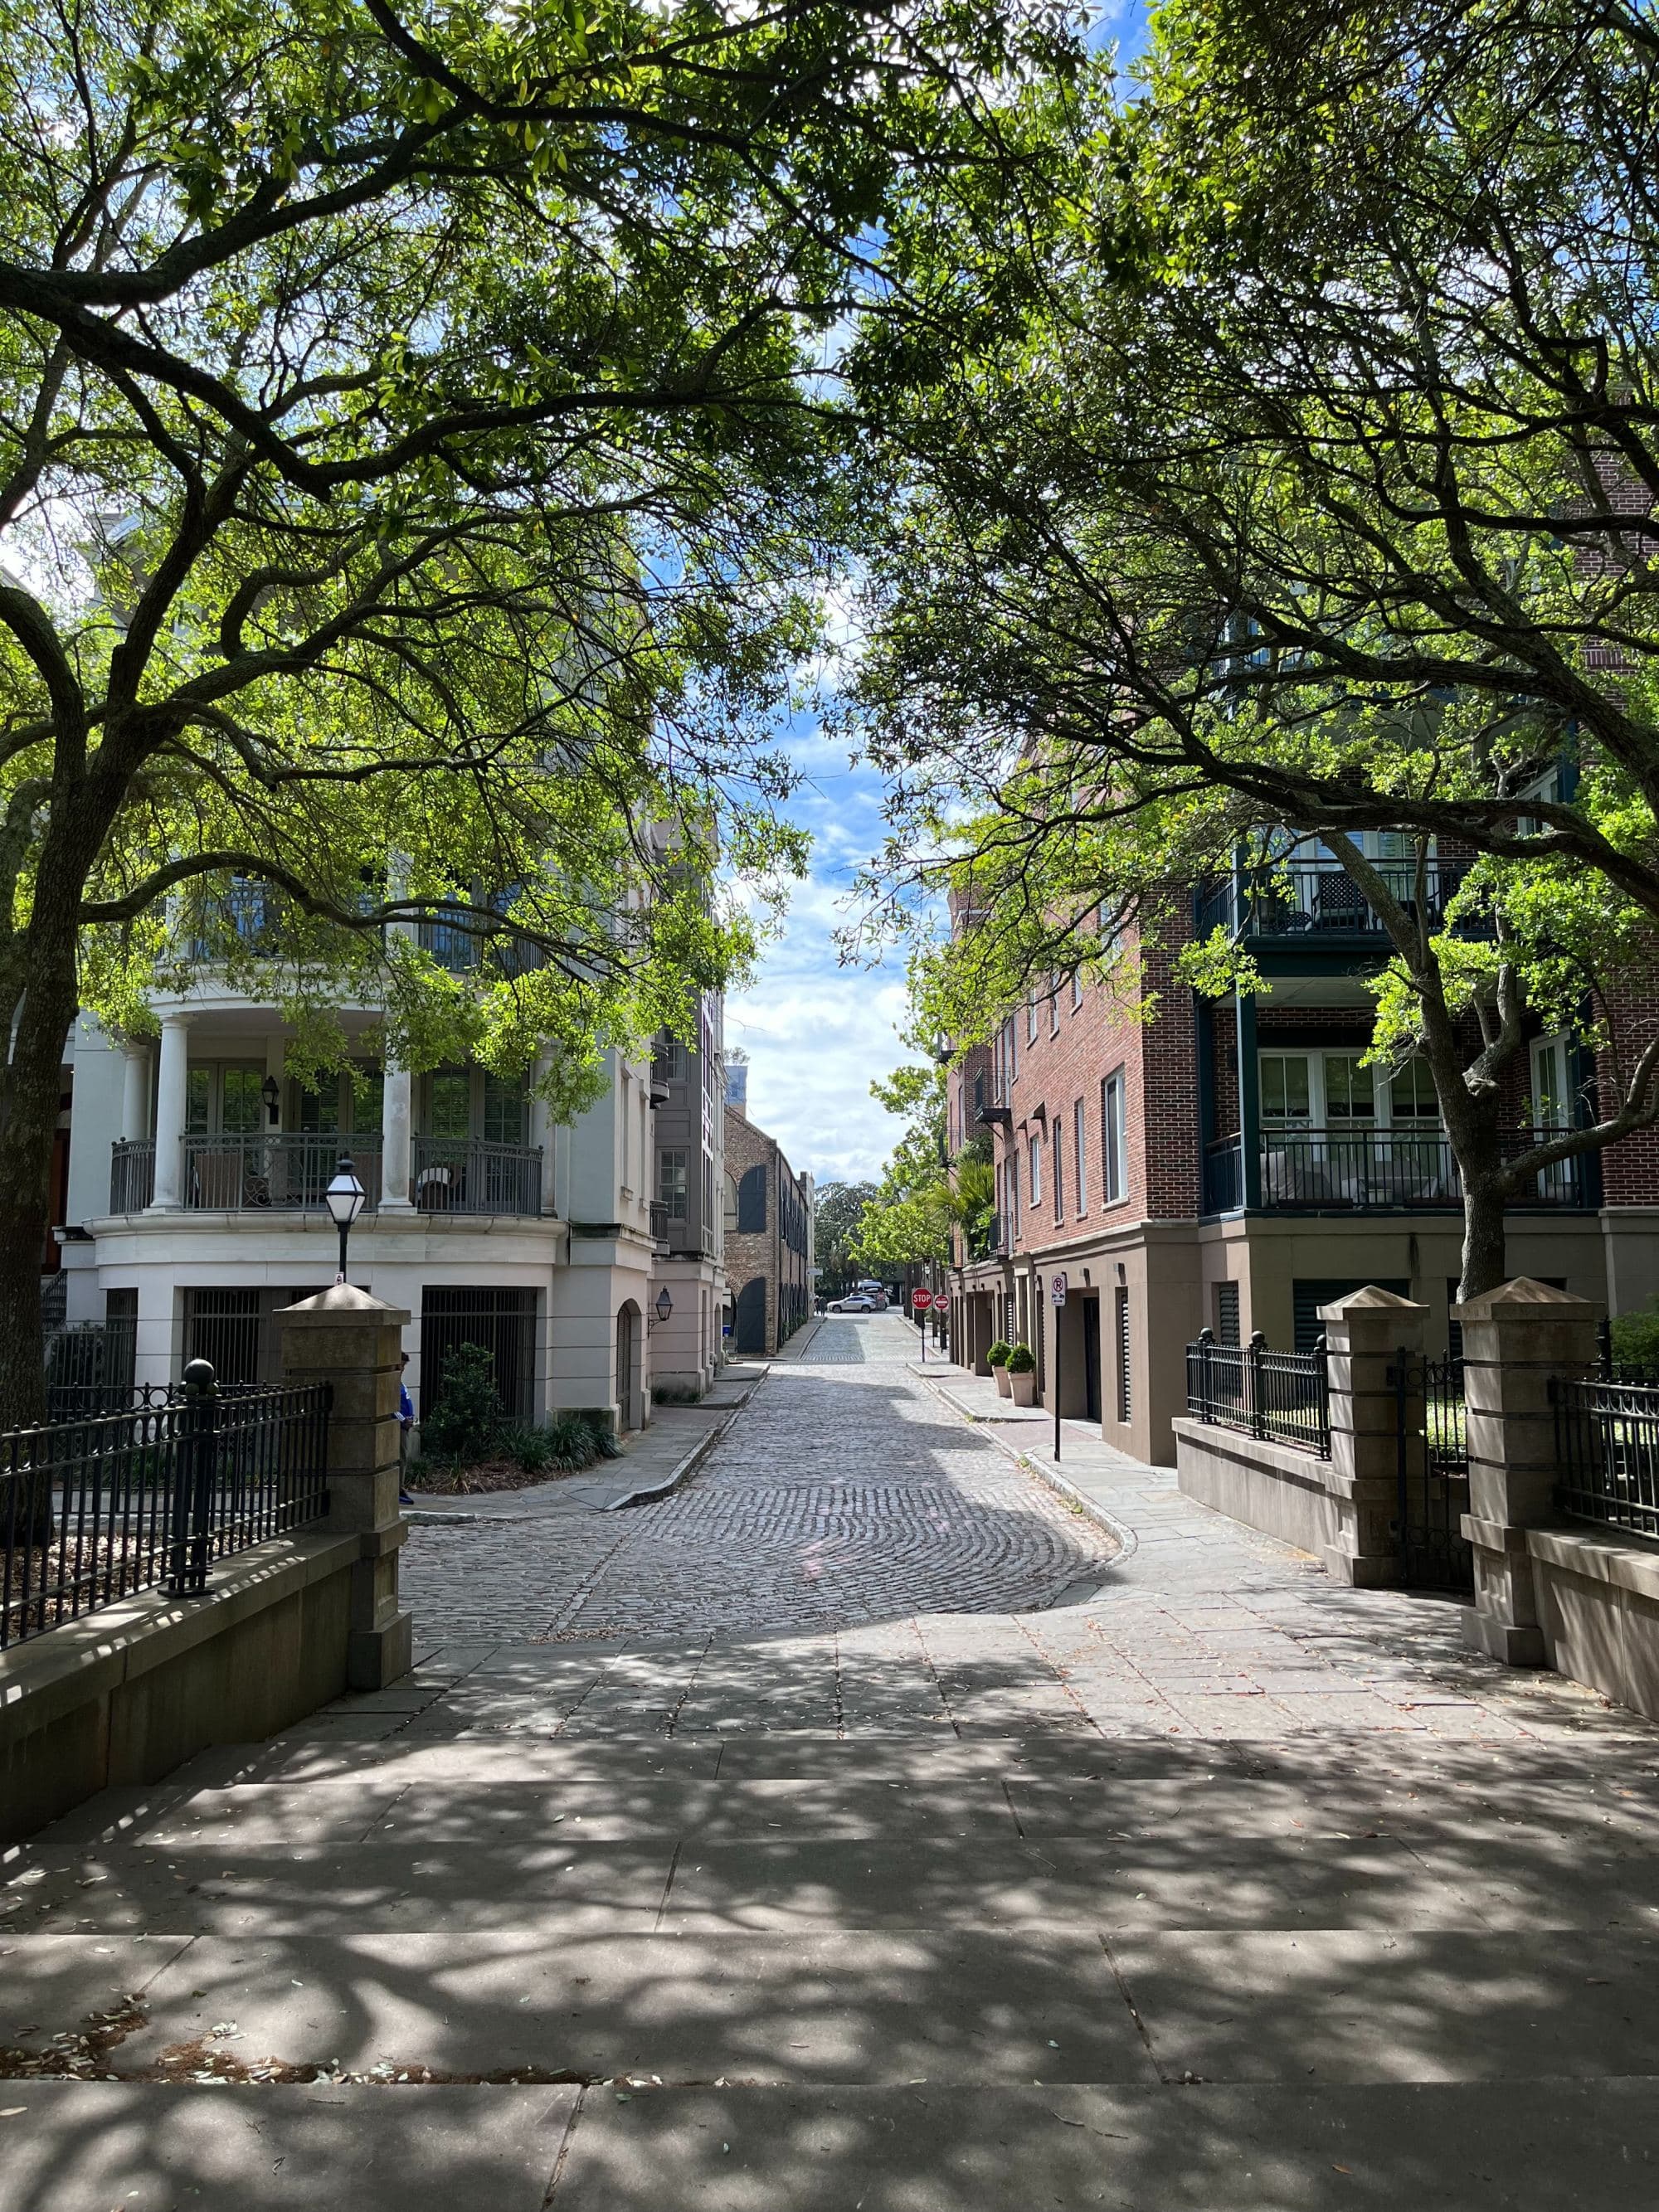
{"x":1303,"y":1466}
{"x":1599,"y":1555}
{"x":69,"y":1666}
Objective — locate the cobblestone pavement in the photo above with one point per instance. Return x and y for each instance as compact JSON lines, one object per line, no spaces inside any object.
{"x":843,"y":1493}
{"x":760,"y":1856}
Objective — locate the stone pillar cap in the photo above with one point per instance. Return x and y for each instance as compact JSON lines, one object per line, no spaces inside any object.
{"x":1524,"y":1297}
{"x":344,"y":1302}
{"x":1369,"y":1300}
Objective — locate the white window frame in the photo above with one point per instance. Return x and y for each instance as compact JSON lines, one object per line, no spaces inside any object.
{"x":1080,"y":1155}
{"x":1115,"y":1137}
{"x":1034,"y":1170}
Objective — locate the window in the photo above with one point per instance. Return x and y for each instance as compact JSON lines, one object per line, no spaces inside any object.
{"x":671,"y":1164}
{"x":1037,"y":1171}
{"x":1115,"y":1162}
{"x":731,"y":1202}
{"x":1551,"y":1084}
{"x":1349,"y":1090}
{"x":1030,"y":1016}
{"x":1013,"y":1051}
{"x":1057,"y":1164}
{"x":224,"y":1099}
{"x":1080,"y":1158}
{"x":1077,"y":989}
{"x":668,"y":1062}
{"x":504,"y":1106}
{"x":1412,"y":1093}
{"x":1284,"y":1091}
{"x":1054,"y":1005}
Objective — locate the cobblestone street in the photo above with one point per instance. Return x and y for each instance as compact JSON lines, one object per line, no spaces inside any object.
{"x":864,"y":1829}
{"x":843,"y":1493}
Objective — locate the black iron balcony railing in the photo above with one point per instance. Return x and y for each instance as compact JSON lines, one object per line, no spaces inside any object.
{"x":1371,"y":1170}
{"x":237,"y":1174}
{"x":1319,"y":899}
{"x":242,"y":920}
{"x":469,"y":1176}
{"x":131,"y":1174}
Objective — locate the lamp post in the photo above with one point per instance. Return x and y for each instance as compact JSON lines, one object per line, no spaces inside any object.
{"x":664,"y":1305}
{"x":344,"y":1200}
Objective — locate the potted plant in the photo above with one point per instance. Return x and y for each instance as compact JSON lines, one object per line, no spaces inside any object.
{"x":997,"y":1360}
{"x":1021,"y":1365}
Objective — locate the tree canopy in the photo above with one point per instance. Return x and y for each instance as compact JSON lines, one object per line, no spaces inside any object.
{"x":1288,"y":465}
{"x":418,"y":476}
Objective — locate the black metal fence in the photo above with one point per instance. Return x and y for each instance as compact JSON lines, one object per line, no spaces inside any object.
{"x":1282,"y":1394}
{"x":1607,"y":1442}
{"x":94,"y":1509}
{"x":1432,"y":1458}
{"x":502,"y":1323}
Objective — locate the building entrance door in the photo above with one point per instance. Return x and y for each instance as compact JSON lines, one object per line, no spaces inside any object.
{"x":1092,"y":1358}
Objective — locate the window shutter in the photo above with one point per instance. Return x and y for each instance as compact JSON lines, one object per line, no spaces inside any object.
{"x":751,"y":1202}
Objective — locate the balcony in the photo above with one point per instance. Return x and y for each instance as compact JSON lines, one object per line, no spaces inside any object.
{"x":246,"y":919}
{"x":1319,"y":901}
{"x":289,"y":1174}
{"x":469,"y":1176}
{"x":1368,"y":1170}
{"x":236,"y":1175}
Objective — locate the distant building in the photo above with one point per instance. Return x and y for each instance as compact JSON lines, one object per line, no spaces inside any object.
{"x":688,"y":1224}
{"x":768,"y":1230}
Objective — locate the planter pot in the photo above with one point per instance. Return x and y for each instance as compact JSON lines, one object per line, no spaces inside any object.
{"x":1024,"y":1387}
{"x":1004,"y":1388}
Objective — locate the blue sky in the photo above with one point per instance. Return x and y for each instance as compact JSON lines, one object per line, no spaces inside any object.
{"x":817,"y":1033}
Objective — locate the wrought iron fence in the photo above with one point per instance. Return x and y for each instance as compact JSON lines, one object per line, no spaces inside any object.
{"x":251,"y":1173}
{"x":1367,"y":1170}
{"x":466,"y":1176}
{"x":502,"y":1323}
{"x":94,"y":1509}
{"x":1301,"y":898}
{"x":1607,"y":1442}
{"x":1432,"y":1458}
{"x":132,"y":1174}
{"x":89,"y":1368}
{"x":1282,"y":1394}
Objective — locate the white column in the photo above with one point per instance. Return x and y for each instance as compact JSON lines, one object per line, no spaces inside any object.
{"x":395,"y":1120}
{"x":171,"y":1105}
{"x":135,"y":1093}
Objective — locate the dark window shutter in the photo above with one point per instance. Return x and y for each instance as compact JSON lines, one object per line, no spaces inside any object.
{"x":1309,"y":1294}
{"x":751,"y":1202}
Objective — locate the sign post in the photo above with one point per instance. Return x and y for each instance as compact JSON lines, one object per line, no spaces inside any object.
{"x":919,"y":1302}
{"x":1057,"y":1290}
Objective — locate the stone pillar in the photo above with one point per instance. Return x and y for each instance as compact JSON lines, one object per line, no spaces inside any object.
{"x":135,"y":1093}
{"x":396,"y":1099}
{"x":171,"y":1105}
{"x":1515,"y":1338}
{"x":1365,"y":1334}
{"x":344,"y":1336}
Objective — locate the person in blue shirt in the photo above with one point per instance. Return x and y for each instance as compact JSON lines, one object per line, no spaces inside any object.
{"x":405,"y":1423}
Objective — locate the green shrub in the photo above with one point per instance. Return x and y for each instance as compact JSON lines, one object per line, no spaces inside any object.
{"x":1636,"y":1335}
{"x":1021,"y":1360}
{"x":597,"y":1418}
{"x":468,"y":1420}
{"x":527,"y":1446}
{"x":570,"y":1442}
{"x":675,"y":1394}
{"x":998,"y":1355}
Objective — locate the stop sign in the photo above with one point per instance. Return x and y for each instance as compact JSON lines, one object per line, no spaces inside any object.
{"x":922,"y":1300}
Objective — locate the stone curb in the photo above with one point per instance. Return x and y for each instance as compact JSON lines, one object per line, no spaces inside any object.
{"x":644,"y":1494}
{"x":1061,"y":1485}
{"x":648,"y":1492}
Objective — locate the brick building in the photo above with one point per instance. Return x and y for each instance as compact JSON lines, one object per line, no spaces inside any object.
{"x":768,"y":1231}
{"x":1233,"y":1166}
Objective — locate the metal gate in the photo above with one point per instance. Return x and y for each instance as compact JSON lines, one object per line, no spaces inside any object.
{"x":1432,"y":1458}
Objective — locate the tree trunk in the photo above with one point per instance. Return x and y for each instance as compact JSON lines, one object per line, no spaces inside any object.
{"x":33,"y":1080}
{"x":1484,"y":1262}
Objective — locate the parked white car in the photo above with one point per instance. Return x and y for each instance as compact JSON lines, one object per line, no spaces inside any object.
{"x":855,"y":1302}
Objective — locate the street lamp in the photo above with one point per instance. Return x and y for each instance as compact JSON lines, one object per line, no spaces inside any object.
{"x":344,"y":1200}
{"x":664,"y":1305}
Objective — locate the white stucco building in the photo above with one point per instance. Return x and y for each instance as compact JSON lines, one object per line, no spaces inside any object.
{"x":193,"y":1208}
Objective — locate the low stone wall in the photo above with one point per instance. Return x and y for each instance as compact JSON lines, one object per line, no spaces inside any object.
{"x":1597,"y":1599}
{"x":129,"y":1694}
{"x":1285,"y":1492}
